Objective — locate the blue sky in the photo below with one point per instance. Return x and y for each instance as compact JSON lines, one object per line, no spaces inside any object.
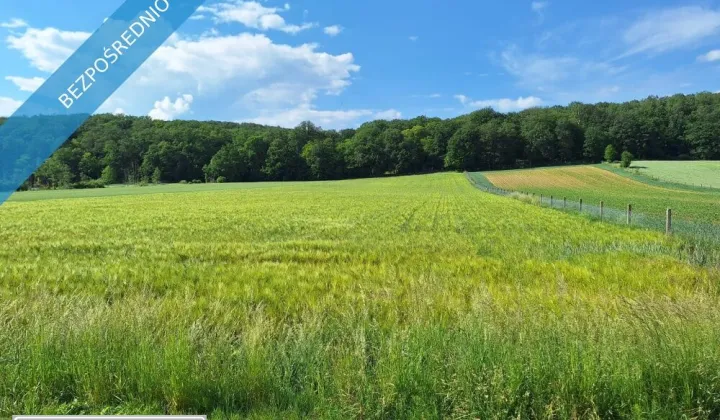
{"x":341,"y":63}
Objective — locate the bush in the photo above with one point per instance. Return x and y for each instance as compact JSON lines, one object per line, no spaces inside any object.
{"x":196,"y":181}
{"x":183,"y":181}
{"x":610,"y":153}
{"x":626,"y":159}
{"x":221,"y":180}
{"x":157,"y":176}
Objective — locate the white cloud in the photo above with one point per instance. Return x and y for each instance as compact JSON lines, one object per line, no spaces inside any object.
{"x":119,"y":111}
{"x":48,"y":48}
{"x":462,"y":98}
{"x":327,"y":119}
{"x":253,"y":15}
{"x":168,"y":110}
{"x":279,"y":95}
{"x":271,"y":82}
{"x":247,"y":62}
{"x":14,"y":23}
{"x":8,"y":106}
{"x":413,"y":38}
{"x":670,"y":29}
{"x":502,"y":105}
{"x":713,"y":55}
{"x":26,"y":84}
{"x":333,"y":30}
{"x":390,"y":114}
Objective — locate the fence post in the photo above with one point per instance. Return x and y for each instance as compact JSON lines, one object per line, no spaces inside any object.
{"x":564,"y":203}
{"x":581,"y":205}
{"x":551,"y":201}
{"x":602,"y":205}
{"x":541,"y":199}
{"x":629,"y":214}
{"x":668,"y":222}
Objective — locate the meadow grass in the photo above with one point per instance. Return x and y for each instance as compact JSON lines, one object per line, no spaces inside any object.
{"x":594,"y":184}
{"x":694,"y":173}
{"x":411,"y":297}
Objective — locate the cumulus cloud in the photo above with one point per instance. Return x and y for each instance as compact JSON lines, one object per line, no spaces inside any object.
{"x":670,"y":29}
{"x":26,"y":84}
{"x":253,"y":15}
{"x":270,"y":82}
{"x":14,"y":23}
{"x":168,"y":110}
{"x":502,"y":105}
{"x":250,"y":61}
{"x":713,"y":55}
{"x":8,"y":106}
{"x":333,"y":30}
{"x":48,"y":48}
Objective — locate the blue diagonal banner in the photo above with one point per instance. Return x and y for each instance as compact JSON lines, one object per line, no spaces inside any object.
{"x":83,"y":83}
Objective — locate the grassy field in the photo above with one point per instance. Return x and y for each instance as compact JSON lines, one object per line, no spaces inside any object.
{"x":411,"y":297}
{"x":593,"y":185}
{"x":695,"y":173}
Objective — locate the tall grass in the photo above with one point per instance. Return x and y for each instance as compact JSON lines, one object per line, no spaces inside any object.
{"x":416,"y":297}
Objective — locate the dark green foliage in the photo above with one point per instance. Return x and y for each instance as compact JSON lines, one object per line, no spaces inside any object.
{"x":123,"y":149}
{"x":610,"y":153}
{"x":85,"y":185}
{"x":626,"y":159}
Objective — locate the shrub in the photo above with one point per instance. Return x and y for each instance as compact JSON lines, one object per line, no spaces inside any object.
{"x":184,"y":181}
{"x":626,"y":159}
{"x":221,"y":180}
{"x":157,"y":176}
{"x":196,"y":181}
{"x":610,"y":153}
{"x":109,"y":175}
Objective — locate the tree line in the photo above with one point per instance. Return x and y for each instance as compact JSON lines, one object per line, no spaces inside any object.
{"x":111,"y":149}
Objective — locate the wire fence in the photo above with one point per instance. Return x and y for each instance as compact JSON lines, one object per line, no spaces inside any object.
{"x":670,"y":224}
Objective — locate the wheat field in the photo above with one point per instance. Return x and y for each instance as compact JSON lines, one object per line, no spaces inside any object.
{"x":409,"y":297}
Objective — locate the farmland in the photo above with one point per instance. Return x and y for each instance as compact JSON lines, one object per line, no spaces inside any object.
{"x":697,"y":173}
{"x":409,"y":297}
{"x":593,"y":185}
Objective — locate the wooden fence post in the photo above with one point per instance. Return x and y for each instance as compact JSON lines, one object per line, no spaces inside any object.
{"x":581,"y":205}
{"x":541,"y":199}
{"x":551,"y":201}
{"x":564,"y":203}
{"x":629,"y":214}
{"x":602,"y":205}
{"x":668,"y":222}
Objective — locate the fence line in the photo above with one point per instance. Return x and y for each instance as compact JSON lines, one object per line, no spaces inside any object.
{"x":629,"y":216}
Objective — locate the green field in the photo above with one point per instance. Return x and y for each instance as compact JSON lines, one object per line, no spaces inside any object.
{"x":695,"y":173}
{"x":410,"y":297}
{"x":593,"y":185}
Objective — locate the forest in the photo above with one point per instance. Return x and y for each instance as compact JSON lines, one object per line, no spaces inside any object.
{"x":111,"y":149}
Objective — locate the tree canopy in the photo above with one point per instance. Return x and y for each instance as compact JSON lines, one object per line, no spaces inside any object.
{"x":124,"y":149}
